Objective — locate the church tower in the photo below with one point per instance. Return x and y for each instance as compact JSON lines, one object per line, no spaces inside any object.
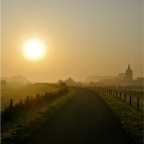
{"x":129,"y":74}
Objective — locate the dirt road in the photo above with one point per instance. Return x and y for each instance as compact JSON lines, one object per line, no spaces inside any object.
{"x":86,"y":119}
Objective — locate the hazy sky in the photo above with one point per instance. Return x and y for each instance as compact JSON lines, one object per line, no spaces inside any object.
{"x":82,"y":37}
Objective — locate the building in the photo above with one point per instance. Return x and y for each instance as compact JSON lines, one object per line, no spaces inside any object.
{"x":121,"y":76}
{"x":125,"y":78}
{"x":128,"y":75}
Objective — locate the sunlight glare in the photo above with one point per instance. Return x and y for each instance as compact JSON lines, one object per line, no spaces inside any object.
{"x":34,"y":49}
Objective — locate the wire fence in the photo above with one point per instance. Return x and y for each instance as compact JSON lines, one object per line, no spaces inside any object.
{"x":13,"y":111}
{"x":124,"y":95}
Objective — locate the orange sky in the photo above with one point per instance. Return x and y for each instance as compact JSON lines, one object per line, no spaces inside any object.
{"x":95,"y":37}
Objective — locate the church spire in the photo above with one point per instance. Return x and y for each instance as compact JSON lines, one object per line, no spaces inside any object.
{"x":128,"y":74}
{"x":128,"y":66}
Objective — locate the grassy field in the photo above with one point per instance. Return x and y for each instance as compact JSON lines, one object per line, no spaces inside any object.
{"x":29,"y":122}
{"x":21,"y":93}
{"x":130,"y":118}
{"x":133,"y":91}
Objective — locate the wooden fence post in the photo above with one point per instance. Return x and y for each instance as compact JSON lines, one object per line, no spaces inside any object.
{"x":27,"y":99}
{"x":130,"y":101}
{"x":137,"y":103}
{"x":11,"y":103}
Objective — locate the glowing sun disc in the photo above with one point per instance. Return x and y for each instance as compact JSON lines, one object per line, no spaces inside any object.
{"x":34,"y":49}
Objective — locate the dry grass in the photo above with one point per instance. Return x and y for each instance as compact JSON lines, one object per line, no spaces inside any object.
{"x":130,"y":118}
{"x":21,"y":93}
{"x":33,"y":120}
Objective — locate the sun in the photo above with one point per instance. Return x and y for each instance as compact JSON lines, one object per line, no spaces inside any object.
{"x":34,"y":49}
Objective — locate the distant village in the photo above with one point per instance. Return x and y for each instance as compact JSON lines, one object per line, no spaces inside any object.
{"x":123,"y":79}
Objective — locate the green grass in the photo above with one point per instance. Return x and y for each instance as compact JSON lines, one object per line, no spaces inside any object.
{"x":30,"y":122}
{"x":130,"y":118}
{"x":21,"y":93}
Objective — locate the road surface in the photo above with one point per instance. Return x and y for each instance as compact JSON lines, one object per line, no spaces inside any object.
{"x":86,"y":119}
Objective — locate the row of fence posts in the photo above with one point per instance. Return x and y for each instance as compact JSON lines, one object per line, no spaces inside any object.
{"x":28,"y":98}
{"x":118,"y":94}
{"x":14,"y":110}
{"x":20,"y":102}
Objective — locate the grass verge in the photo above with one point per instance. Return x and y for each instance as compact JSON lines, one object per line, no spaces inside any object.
{"x":28,"y":124}
{"x":130,"y":118}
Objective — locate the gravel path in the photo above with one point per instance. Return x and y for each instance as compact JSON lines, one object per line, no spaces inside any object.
{"x":86,"y":119}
